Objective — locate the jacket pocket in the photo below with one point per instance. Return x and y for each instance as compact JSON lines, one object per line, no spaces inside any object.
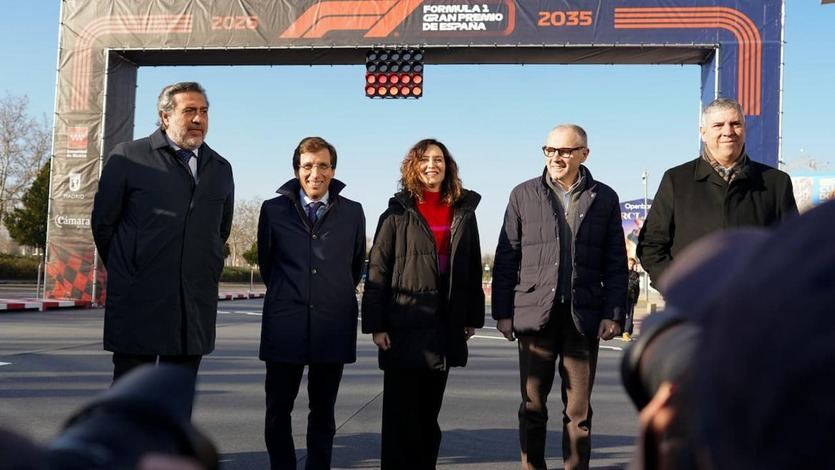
{"x":591,"y":296}
{"x":413,"y":310}
{"x":525,"y":295}
{"x":416,"y":348}
{"x":525,"y":288}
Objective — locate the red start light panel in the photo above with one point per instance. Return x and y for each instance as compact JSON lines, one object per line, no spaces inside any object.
{"x":394,"y":73}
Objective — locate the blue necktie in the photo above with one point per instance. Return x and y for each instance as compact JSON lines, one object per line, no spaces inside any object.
{"x":186,"y":156}
{"x":312,"y":210}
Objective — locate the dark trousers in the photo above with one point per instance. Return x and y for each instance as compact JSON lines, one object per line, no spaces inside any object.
{"x":282,"y":387}
{"x":124,"y":363}
{"x":559,"y":346}
{"x":411,"y":403}
{"x":630,"y":317}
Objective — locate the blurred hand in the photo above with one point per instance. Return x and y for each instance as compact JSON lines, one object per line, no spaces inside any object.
{"x":505,"y":326}
{"x":167,"y":462}
{"x":468,"y":332}
{"x":608,"y":329}
{"x":655,"y":448}
{"x":382,"y":340}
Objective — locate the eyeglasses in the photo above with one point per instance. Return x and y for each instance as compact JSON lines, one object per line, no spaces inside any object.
{"x":564,"y":152}
{"x":308,"y":167}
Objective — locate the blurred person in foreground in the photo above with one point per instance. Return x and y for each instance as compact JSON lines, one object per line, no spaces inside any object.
{"x":747,"y":395}
{"x":311,"y":248}
{"x":143,"y":422}
{"x":161,"y":216}
{"x":423,"y":300}
{"x":559,"y":286}
{"x":721,"y":189}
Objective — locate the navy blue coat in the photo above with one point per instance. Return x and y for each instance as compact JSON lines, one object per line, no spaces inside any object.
{"x":526,"y":266}
{"x":161,"y":237}
{"x":311,"y":273}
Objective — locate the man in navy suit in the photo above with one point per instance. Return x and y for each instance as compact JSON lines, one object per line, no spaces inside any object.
{"x":311,"y":249}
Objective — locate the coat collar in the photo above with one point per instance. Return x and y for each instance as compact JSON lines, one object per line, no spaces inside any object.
{"x":160,"y":142}
{"x":292,"y":187}
{"x":704,"y":170}
{"x":469,"y":201}
{"x":590,"y":185}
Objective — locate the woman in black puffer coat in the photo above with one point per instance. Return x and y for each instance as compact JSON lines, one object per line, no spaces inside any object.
{"x":423,"y":299}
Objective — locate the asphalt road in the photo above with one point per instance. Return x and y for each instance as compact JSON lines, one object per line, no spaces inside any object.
{"x":52,"y":363}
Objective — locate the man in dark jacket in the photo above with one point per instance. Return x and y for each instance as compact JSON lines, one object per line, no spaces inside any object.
{"x":311,"y":249}
{"x":721,"y":189}
{"x":559,"y":285}
{"x":161,"y":216}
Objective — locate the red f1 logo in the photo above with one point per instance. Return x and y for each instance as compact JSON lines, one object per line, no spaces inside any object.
{"x":378,"y":18}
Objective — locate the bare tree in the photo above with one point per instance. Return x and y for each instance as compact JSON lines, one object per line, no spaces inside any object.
{"x":24,"y":148}
{"x":244,"y":230}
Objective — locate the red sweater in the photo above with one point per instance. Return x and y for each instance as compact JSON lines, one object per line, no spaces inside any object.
{"x":438,"y":216}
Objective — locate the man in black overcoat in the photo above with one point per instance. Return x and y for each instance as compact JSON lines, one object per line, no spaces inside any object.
{"x":161,"y":217}
{"x":721,"y":189}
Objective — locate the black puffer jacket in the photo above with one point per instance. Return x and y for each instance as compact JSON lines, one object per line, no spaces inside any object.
{"x":527,"y":258}
{"x":404,"y":294}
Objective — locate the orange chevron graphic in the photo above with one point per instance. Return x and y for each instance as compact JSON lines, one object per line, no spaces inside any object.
{"x":378,"y":18}
{"x":747,"y":36}
{"x":82,"y":61}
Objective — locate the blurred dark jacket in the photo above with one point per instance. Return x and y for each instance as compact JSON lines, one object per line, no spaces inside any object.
{"x":767,"y":357}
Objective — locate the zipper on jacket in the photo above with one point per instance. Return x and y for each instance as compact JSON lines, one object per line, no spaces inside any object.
{"x":425,"y":225}
{"x":592,"y":197}
{"x":445,"y":299}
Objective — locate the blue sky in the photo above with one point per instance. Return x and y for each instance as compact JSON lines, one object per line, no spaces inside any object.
{"x":637,"y":117}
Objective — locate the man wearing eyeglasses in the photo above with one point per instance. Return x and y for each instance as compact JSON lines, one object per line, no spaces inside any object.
{"x":311,"y":249}
{"x":721,"y":189}
{"x":559,"y":286}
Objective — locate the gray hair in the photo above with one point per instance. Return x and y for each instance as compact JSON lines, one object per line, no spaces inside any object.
{"x":721,"y":104}
{"x":165,"y":102}
{"x":577,"y":130}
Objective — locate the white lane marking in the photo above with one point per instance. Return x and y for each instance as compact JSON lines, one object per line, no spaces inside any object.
{"x":5,"y":364}
{"x":239,"y":312}
{"x":602,"y":346}
{"x":258,"y":314}
{"x":490,"y":337}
